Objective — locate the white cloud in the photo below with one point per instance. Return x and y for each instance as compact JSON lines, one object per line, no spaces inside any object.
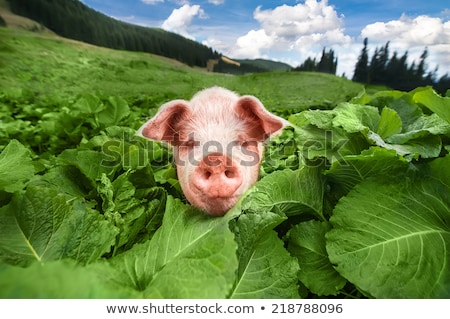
{"x":217,"y":44}
{"x":252,"y":44}
{"x":294,"y":33}
{"x":422,"y":30}
{"x":181,"y":19}
{"x":413,"y":35}
{"x":303,"y":28}
{"x":216,"y":2}
{"x":303,"y":19}
{"x":152,"y":1}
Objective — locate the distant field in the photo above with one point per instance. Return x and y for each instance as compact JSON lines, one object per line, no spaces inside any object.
{"x":52,"y":66}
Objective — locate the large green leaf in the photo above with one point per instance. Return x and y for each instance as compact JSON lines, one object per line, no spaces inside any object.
{"x":288,"y":192}
{"x":426,"y":146}
{"x":59,"y":279}
{"x":116,"y":109}
{"x":16,"y":167}
{"x":438,"y":104}
{"x":440,"y":169}
{"x":392,"y":240}
{"x":40,"y":225}
{"x":307,"y":243}
{"x":353,"y":169}
{"x":422,"y":126}
{"x":319,"y":138}
{"x":266,"y":270}
{"x":356,"y":118}
{"x":190,"y":256}
{"x":88,"y":104}
{"x":89,"y":162}
{"x":403,"y":128}
{"x":390,"y":123}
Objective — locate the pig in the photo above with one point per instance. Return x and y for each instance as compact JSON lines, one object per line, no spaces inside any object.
{"x":218,"y":142}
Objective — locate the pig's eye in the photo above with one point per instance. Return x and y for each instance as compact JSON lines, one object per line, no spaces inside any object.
{"x":248,"y":144}
{"x":191,"y":143}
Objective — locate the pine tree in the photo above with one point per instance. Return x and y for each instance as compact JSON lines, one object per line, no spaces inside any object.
{"x":377,"y":67}
{"x":308,"y":65}
{"x":327,"y":63}
{"x":361,"y":73}
{"x":420,"y":71}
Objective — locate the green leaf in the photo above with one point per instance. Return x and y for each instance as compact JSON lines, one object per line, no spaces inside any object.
{"x":401,"y":127}
{"x":16,"y":167}
{"x":307,"y":243}
{"x":116,"y":109}
{"x":426,"y":147}
{"x":423,"y":126}
{"x":376,"y":161}
{"x":321,"y":119}
{"x":281,"y":152}
{"x":319,"y":145}
{"x":88,"y":104}
{"x":190,"y":256}
{"x":269,"y":272}
{"x":266,"y":270}
{"x":40,"y":225}
{"x":318,"y":139}
{"x":356,"y":118}
{"x":89,"y":162}
{"x":440,"y":169}
{"x":67,"y":179}
{"x":137,"y":213}
{"x":288,"y":192}
{"x":390,"y":123}
{"x":392,"y":240}
{"x":438,"y":104}
{"x":56,"y":280}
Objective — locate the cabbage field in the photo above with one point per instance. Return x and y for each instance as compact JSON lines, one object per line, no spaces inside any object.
{"x":353,"y":199}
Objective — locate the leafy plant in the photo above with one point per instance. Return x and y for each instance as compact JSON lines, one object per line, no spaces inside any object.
{"x":353,"y":201}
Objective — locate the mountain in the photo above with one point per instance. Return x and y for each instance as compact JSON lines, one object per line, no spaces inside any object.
{"x":267,"y":65}
{"x":72,"y":19}
{"x":14,"y":21}
{"x":236,"y":66}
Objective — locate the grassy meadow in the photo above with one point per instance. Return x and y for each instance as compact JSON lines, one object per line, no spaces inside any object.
{"x":48,"y":65}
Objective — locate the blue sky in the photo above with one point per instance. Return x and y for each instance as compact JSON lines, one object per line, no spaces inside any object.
{"x":290,"y":31}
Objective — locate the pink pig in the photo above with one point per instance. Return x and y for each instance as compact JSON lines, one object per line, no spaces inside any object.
{"x":218,"y":144}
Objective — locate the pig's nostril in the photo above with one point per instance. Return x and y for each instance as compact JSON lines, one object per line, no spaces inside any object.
{"x":207,"y":174}
{"x":229,"y":174}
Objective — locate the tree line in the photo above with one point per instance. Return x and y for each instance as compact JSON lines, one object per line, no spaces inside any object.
{"x":327,"y":63}
{"x":383,"y":69}
{"x":395,"y":72}
{"x":72,"y":19}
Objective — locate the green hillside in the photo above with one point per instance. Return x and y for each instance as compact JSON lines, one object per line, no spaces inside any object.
{"x":267,"y":65}
{"x":72,"y":19}
{"x":49,"y":65}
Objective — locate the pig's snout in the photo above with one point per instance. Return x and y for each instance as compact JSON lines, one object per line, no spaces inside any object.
{"x":217,"y":176}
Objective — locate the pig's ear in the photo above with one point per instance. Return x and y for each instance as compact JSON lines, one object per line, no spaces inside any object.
{"x":166,"y":124}
{"x":260,"y":122}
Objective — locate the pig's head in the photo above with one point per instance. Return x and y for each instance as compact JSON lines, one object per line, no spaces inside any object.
{"x":218,"y":144}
